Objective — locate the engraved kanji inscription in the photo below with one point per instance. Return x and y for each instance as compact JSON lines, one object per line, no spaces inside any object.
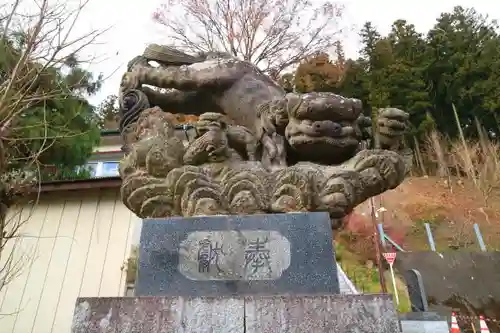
{"x":257,"y":257}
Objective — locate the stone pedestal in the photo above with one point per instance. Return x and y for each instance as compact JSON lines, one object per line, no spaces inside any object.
{"x":251,"y":314}
{"x":249,"y":274}
{"x":267,"y":254}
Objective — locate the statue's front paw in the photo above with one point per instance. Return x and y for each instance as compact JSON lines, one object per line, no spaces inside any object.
{"x":392,"y":125}
{"x":339,"y":193}
{"x":381,"y":170}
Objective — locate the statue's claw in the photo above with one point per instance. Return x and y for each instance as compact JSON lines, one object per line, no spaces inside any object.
{"x":369,"y":173}
{"x":273,"y":154}
{"x":337,"y":195}
{"x":389,"y":167}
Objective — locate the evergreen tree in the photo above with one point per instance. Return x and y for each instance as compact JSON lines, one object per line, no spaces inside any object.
{"x":456,"y":63}
{"x":108,"y":112}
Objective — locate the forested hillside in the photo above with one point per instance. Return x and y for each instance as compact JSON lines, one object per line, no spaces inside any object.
{"x":456,"y":63}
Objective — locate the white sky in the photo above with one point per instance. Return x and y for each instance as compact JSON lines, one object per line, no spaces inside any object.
{"x":133,"y":28}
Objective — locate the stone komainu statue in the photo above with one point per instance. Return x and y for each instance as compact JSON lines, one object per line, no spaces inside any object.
{"x":257,"y":148}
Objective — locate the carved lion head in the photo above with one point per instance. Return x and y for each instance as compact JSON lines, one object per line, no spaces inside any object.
{"x":322,"y":127}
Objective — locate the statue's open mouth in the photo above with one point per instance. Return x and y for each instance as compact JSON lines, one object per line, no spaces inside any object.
{"x":340,"y":142}
{"x":320,"y":133}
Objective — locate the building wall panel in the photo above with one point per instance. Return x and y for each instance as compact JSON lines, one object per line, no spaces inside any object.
{"x":73,"y":244}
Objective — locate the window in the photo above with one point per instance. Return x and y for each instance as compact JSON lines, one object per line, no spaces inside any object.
{"x":92,"y":167}
{"x":109,"y":169}
{"x":103,"y":169}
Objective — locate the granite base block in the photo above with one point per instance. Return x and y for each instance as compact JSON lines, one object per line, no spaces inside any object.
{"x":230,"y":255}
{"x":250,"y":314}
{"x":418,"y":326}
{"x":423,"y":322}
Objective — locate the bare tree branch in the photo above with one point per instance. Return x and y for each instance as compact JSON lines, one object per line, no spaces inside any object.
{"x":272,"y":34}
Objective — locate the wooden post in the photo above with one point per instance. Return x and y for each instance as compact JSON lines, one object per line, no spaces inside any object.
{"x":378,"y":253}
{"x":376,"y":144}
{"x":473,"y":327}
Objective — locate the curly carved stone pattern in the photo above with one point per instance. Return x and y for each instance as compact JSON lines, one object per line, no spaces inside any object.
{"x":157,"y":183}
{"x":132,"y":103}
{"x":246,"y":188}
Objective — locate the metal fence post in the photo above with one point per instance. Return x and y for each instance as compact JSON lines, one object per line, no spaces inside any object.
{"x":382,"y":234}
{"x":479,"y":237}
{"x":430,"y":237}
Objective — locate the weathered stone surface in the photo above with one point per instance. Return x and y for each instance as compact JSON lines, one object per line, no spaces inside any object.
{"x":156,"y":183}
{"x":421,"y":316}
{"x":353,"y":313}
{"x":158,"y":315}
{"x":238,"y":255}
{"x":255,"y":314}
{"x":330,"y":124}
{"x":270,"y":146}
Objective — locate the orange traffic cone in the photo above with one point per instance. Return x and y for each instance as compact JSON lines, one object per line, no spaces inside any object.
{"x":454,"y":325}
{"x":482,"y":325}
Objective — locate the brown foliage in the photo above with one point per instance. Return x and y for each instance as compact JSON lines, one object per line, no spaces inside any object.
{"x":271,"y":34}
{"x":319,"y":73}
{"x":359,"y":235}
{"x":477,"y":161}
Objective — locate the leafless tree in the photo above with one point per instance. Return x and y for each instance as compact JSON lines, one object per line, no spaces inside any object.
{"x":36,"y":37}
{"x":273,"y":34}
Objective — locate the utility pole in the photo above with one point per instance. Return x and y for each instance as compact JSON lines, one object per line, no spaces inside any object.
{"x":378,"y":252}
{"x":373,"y":143}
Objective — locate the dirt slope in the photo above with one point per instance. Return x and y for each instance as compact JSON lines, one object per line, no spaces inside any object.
{"x":451,"y":211}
